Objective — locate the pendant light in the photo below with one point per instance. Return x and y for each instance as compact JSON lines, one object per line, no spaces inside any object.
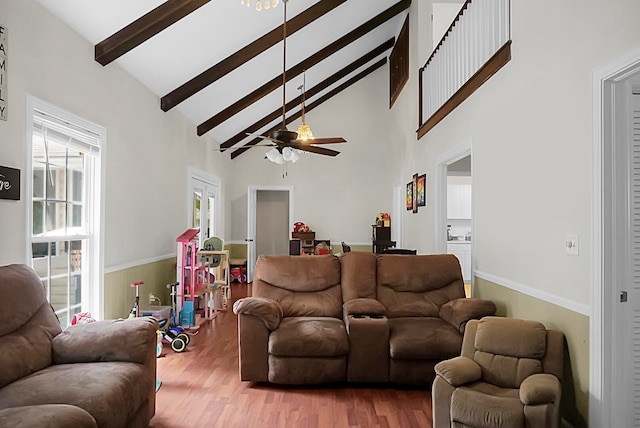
{"x":304,"y":130}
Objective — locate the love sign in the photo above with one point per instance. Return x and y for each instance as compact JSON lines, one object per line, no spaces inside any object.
{"x":9,"y":183}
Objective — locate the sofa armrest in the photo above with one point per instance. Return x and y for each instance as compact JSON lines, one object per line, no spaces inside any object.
{"x":267,"y":310}
{"x":541,"y":388}
{"x":459,"y":371}
{"x":457,"y":312}
{"x":128,"y":340}
{"x":363,"y":306}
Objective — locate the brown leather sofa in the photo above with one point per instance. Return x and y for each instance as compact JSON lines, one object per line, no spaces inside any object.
{"x":359,"y":318}
{"x":101,"y":374}
{"x":508,"y":375}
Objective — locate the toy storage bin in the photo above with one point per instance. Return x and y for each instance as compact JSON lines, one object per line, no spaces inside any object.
{"x":158,"y":312}
{"x":187,"y":314}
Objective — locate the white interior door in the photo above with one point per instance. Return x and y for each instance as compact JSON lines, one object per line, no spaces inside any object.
{"x":626,"y":313}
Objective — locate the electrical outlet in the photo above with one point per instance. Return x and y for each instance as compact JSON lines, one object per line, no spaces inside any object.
{"x":152,"y":298}
{"x":572,"y":245}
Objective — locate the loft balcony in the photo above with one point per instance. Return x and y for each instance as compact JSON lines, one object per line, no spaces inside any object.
{"x":476,"y":45}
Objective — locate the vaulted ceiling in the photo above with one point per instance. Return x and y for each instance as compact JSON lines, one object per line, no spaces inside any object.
{"x":220,"y":63}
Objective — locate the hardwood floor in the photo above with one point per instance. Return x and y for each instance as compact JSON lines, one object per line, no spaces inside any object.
{"x":201,"y":388}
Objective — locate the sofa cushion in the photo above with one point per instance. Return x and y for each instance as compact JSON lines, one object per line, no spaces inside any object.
{"x":358,"y":275}
{"x":309,"y":337}
{"x":418,"y":285}
{"x":505,"y":371}
{"x":46,"y":416}
{"x":474,"y":408}
{"x":512,"y":337}
{"x":110,"y":392}
{"x":304,"y":286}
{"x":27,"y":324}
{"x":423,"y":338}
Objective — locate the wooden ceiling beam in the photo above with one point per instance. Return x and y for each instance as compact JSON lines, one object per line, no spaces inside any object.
{"x":276,"y":82}
{"x":238,"y":58}
{"x":316,"y":103}
{"x":143,"y":28}
{"x":363,"y":60}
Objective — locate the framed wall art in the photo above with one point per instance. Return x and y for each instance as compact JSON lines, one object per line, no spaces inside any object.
{"x":414,"y":183}
{"x":421,"y":195}
{"x":409,"y":196}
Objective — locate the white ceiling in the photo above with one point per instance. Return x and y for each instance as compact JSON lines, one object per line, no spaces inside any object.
{"x":217,"y":30}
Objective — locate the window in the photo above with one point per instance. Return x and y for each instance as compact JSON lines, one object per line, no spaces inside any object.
{"x":65,"y":209}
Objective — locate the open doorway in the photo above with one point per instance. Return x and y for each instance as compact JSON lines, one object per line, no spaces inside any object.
{"x":459,"y":214}
{"x":270,"y":209}
{"x":454,"y":213}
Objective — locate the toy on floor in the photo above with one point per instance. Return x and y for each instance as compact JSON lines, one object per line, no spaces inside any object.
{"x":237,"y":274}
{"x":82,"y":318}
{"x":135,"y":310}
{"x":175,"y":336}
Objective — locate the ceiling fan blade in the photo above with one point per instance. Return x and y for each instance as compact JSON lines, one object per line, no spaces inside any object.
{"x":264,"y":137}
{"x":328,"y":140}
{"x":314,"y":149}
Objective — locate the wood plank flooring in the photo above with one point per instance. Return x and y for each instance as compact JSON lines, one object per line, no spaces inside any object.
{"x":201,"y":388}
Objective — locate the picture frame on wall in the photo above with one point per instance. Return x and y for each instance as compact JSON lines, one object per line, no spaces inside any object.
{"x":414,"y":183}
{"x":409,"y":196}
{"x":421,"y":192}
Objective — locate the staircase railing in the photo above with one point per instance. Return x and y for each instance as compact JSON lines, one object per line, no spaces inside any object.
{"x":476,"y":45}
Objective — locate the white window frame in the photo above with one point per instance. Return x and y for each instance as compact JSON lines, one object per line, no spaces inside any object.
{"x":93,"y":297}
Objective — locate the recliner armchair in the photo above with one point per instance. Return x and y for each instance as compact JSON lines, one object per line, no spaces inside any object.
{"x":291,"y":330}
{"x":508,"y":375}
{"x":101,"y":374}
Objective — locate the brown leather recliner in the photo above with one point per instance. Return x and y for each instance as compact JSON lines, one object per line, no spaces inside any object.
{"x":508,"y":375}
{"x":361,"y":318}
{"x":409,"y":311}
{"x":291,"y":330}
{"x":101,"y":374}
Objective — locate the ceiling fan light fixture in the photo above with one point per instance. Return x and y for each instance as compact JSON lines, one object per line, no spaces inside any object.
{"x":287,"y":153}
{"x":295,"y":156}
{"x":304,"y":132}
{"x":272,"y":154}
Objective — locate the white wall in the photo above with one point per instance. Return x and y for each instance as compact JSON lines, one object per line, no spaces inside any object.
{"x":531,"y":128}
{"x":147,"y":151}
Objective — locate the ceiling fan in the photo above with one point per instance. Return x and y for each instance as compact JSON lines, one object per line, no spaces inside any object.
{"x":284,"y":141}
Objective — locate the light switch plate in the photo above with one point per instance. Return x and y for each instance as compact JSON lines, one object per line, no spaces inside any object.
{"x":572,"y":244}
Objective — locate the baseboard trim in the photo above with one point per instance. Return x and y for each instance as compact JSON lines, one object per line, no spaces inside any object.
{"x":137,"y":263}
{"x":533,"y":292}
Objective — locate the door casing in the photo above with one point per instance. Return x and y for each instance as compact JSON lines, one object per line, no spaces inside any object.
{"x":604,"y":404}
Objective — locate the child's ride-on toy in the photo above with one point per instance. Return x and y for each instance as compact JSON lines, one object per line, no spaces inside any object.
{"x":175,"y":336}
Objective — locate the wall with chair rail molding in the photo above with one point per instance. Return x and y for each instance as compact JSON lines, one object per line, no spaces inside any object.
{"x":575,"y":326}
